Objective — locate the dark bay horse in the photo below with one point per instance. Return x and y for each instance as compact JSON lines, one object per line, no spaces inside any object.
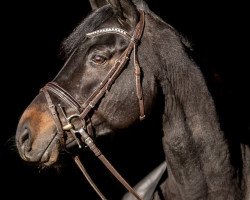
{"x":128,"y":71}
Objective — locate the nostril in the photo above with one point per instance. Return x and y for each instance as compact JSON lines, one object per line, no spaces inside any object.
{"x":25,"y":140}
{"x":24,"y":136}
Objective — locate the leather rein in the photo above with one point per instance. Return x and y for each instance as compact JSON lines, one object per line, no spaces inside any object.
{"x":79,"y":123}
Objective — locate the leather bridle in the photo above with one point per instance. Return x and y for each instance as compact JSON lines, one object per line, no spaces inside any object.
{"x":79,"y":123}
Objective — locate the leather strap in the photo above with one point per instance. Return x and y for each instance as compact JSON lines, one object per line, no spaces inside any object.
{"x":55,"y":116}
{"x":87,"y":176}
{"x":116,"y":70}
{"x":138,"y":85}
{"x":90,"y":143}
{"x":83,"y":110}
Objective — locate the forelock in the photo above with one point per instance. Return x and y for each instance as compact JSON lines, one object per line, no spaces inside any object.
{"x":89,"y":24}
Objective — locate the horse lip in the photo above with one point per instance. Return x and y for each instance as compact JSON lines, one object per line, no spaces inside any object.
{"x":46,"y":154}
{"x":30,"y":156}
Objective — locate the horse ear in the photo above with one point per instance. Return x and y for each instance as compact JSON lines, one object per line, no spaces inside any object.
{"x":95,"y":4}
{"x":126,"y":11}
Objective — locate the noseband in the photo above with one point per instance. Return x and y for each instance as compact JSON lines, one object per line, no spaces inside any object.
{"x":79,"y":123}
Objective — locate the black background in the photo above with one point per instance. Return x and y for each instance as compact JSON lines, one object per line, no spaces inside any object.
{"x":31,"y":36}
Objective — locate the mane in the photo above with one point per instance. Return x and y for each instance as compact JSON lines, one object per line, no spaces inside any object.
{"x":142,"y":5}
{"x":76,"y":38}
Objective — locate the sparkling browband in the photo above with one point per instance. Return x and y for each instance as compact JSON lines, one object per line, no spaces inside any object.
{"x":108,"y":30}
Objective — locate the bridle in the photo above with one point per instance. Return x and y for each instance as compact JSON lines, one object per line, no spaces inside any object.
{"x":79,"y":123}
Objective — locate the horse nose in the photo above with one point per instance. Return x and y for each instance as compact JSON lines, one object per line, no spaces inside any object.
{"x":24,"y":140}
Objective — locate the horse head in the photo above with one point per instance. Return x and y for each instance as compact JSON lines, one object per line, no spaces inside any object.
{"x":125,"y":65}
{"x":95,"y":50}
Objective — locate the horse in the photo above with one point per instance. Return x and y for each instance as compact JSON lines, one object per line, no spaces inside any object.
{"x":129,"y":74}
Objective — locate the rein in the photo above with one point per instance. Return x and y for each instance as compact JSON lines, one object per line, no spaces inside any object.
{"x":79,"y":123}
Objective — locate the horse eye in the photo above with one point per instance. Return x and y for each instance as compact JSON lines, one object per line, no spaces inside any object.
{"x":98,"y":59}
